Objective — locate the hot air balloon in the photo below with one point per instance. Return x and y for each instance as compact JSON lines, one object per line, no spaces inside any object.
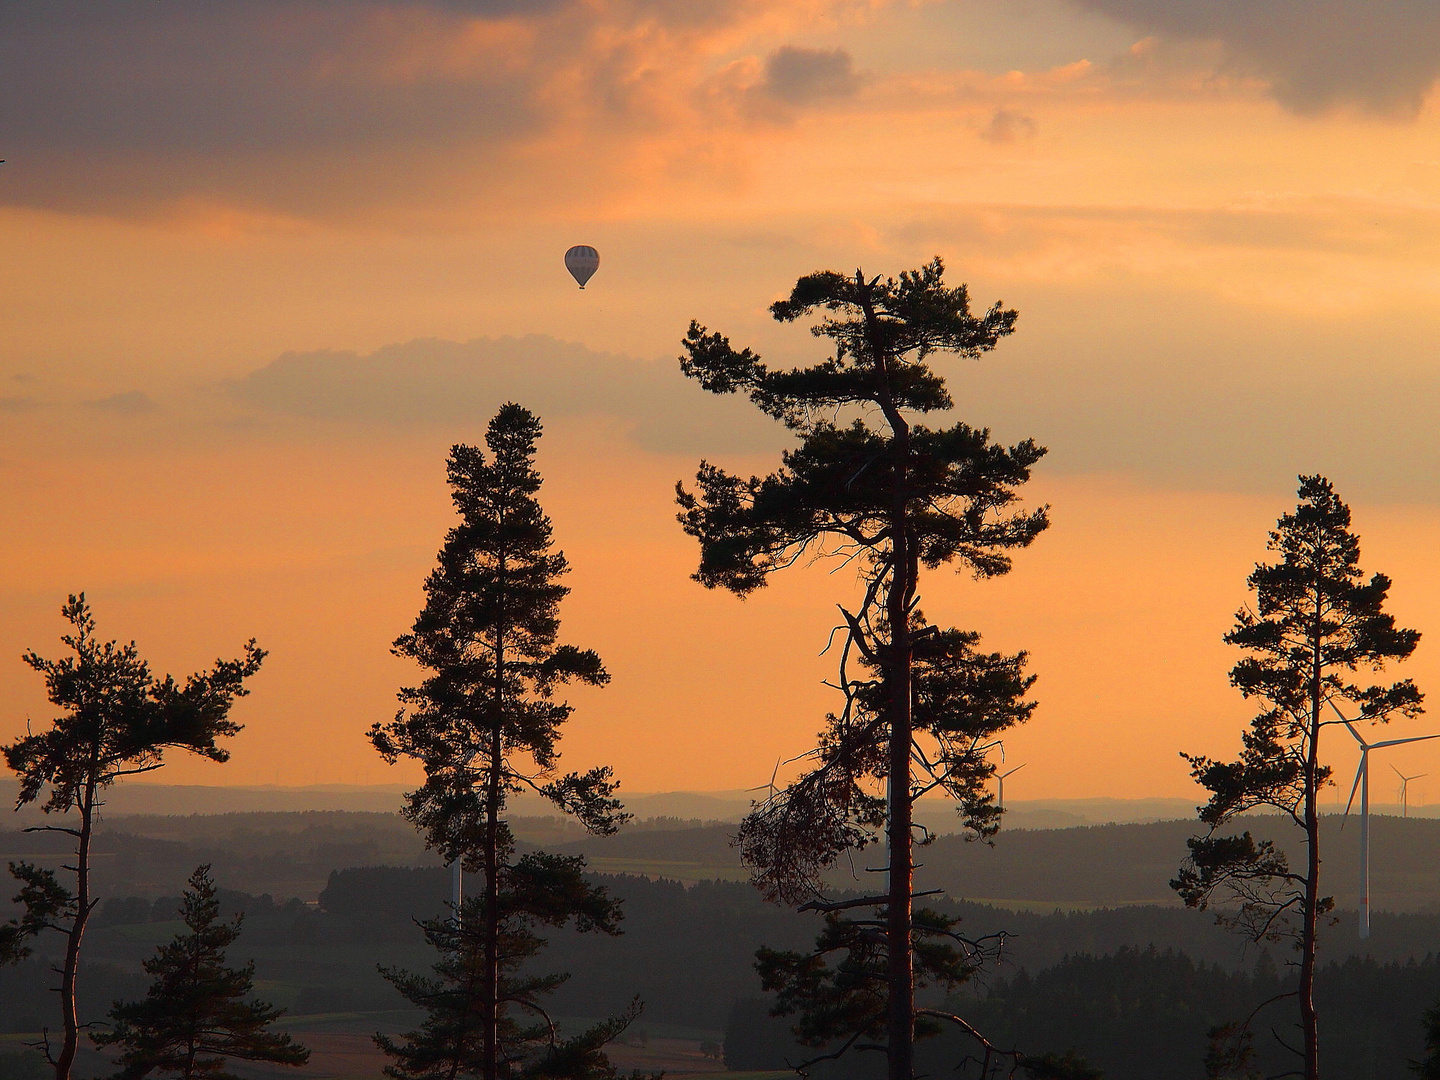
{"x":582,"y":261}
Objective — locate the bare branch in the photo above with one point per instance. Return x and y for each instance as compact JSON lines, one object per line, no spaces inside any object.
{"x":863,"y":901}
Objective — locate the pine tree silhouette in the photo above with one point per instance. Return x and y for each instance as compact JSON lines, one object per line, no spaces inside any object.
{"x":1316,"y":620}
{"x":198,"y":1012}
{"x":485,"y":723}
{"x":117,"y":720}
{"x":923,"y":705}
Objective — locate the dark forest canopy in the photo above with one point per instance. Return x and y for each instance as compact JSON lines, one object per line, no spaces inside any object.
{"x":325,"y":956}
{"x":321,"y":960}
{"x":1144,"y":1014}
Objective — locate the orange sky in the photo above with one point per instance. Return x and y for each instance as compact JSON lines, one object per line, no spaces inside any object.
{"x":264,"y":263}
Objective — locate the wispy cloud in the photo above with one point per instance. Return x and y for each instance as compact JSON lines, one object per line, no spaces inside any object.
{"x":1382,"y":56}
{"x":427,"y":383}
{"x":1205,"y":415}
{"x":130,"y":403}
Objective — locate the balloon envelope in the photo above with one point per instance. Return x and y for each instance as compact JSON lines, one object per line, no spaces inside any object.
{"x":582,"y":261}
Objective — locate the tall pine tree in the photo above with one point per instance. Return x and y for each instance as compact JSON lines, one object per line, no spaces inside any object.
{"x":198,"y":1013}
{"x":116,"y":720}
{"x":485,"y":723}
{"x":1316,"y":621}
{"x":923,"y":705}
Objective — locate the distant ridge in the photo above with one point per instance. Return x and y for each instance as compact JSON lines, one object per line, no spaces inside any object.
{"x":715,"y":806}
{"x":185,"y":799}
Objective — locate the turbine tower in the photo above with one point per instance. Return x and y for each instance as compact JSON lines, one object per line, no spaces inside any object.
{"x":1362,"y":781}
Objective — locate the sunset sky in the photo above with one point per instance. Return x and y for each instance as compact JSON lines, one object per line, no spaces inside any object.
{"x":266,"y":261}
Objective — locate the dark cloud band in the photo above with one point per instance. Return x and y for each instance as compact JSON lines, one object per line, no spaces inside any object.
{"x":1379,"y":55}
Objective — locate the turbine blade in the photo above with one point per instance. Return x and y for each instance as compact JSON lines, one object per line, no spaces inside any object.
{"x":1354,"y":787}
{"x":1402,"y":742}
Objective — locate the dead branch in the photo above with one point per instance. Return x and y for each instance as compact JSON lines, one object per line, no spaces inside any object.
{"x":864,"y":901}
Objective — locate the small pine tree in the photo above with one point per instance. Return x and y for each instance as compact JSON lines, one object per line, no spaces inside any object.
{"x":1428,"y":1067}
{"x":198,"y":1012}
{"x":1066,"y":1066}
{"x":1231,"y":1055}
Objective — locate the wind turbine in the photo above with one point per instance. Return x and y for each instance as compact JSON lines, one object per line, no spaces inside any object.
{"x":1362,"y":781}
{"x":457,"y":887}
{"x":1000,"y":779}
{"x":1405,"y":789}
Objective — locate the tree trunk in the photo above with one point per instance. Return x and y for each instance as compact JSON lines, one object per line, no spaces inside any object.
{"x":900,"y":966}
{"x":1309,"y":1022}
{"x":900,"y":972}
{"x":900,"y":961}
{"x":491,"y":1000}
{"x":491,"y":992}
{"x":71,"y":1021}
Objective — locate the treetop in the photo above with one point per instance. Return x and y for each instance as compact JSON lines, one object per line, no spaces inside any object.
{"x":882,"y":330}
{"x":1315,"y":603}
{"x":117,"y":718}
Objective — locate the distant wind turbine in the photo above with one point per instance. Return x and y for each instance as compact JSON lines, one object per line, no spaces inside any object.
{"x":1405,"y":789}
{"x":1362,"y":781}
{"x":1000,"y":779}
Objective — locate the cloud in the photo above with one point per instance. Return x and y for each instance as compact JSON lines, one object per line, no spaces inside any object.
{"x":1382,"y":56}
{"x":126,"y":103}
{"x":132,"y":403}
{"x":1212,"y":418}
{"x":1007,"y":126}
{"x":1190,"y":397}
{"x":800,"y":76}
{"x":309,"y":107}
{"x":433,"y":382}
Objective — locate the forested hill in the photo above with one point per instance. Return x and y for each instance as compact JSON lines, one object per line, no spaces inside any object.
{"x":292,"y":855}
{"x":688,"y":951}
{"x":1145,"y":1015}
{"x":1088,"y":866}
{"x":663,"y":916}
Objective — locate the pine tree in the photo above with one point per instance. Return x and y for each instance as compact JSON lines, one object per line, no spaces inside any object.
{"x":923,"y":705}
{"x":1316,"y":621}
{"x":198,"y":1013}
{"x":537,"y":890}
{"x":117,"y":720}
{"x":485,"y":723}
{"x":1428,"y":1067}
